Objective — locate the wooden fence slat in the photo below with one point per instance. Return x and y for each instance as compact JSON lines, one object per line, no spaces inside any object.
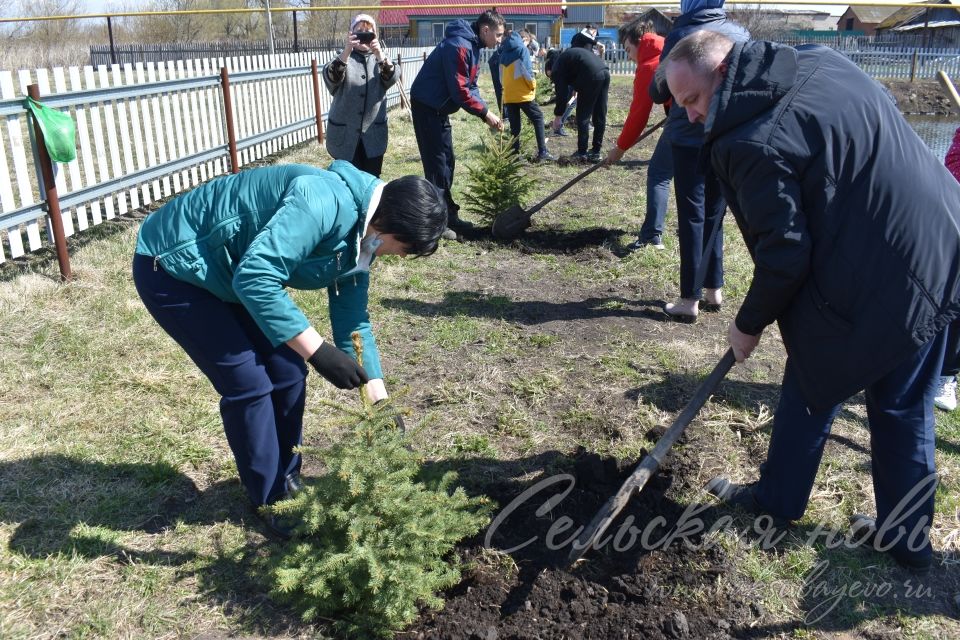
{"x":136,"y":131}
{"x":98,"y":126}
{"x":215,"y":114}
{"x":84,"y":153}
{"x":205,"y":139}
{"x":178,"y":125}
{"x":26,"y":194}
{"x":18,"y":154}
{"x":73,"y":167}
{"x":171,"y":111}
{"x":158,"y":139}
{"x":187,"y":113}
{"x":198,"y":121}
{"x":240,"y":108}
{"x":123,"y":128}
{"x":147,"y":119}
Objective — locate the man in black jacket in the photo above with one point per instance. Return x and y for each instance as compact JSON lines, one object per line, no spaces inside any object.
{"x":580,"y":69}
{"x":853,"y":228}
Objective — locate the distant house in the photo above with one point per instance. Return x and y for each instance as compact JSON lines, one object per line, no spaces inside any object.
{"x":579,"y":17}
{"x":662,"y":18}
{"x":938,"y":27}
{"x":864,"y":20}
{"x":410,"y":21}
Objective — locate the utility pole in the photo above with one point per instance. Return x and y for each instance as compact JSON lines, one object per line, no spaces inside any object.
{"x":269,"y":28}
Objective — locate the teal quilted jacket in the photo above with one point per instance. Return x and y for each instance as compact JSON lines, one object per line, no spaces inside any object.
{"x":246,"y":237}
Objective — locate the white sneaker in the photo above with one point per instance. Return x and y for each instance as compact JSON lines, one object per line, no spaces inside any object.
{"x":947,"y":396}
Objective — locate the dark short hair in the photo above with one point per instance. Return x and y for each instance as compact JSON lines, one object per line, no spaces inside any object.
{"x":634,"y":30}
{"x":414,"y":211}
{"x":491,"y":18}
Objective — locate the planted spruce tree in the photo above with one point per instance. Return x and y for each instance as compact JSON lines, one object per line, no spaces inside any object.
{"x":496,"y":181}
{"x":375,"y":538}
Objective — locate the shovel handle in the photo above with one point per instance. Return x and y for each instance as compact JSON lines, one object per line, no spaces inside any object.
{"x":651,"y":462}
{"x":550,"y":198}
{"x":950,"y":89}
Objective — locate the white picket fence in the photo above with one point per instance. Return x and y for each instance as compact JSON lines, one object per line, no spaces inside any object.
{"x":148,"y":131}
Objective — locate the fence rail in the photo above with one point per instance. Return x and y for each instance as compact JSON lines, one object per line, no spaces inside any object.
{"x":148,"y":131}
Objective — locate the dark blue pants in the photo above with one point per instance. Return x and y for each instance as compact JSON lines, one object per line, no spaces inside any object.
{"x":900,"y":414}
{"x":700,"y":208}
{"x":435,"y":143}
{"x":532,"y":109}
{"x":262,"y":387}
{"x":659,"y":175}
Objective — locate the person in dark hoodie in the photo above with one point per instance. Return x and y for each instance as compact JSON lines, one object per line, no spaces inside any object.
{"x":579,"y":69}
{"x":700,"y":206}
{"x":854,"y":230}
{"x":446,"y":83}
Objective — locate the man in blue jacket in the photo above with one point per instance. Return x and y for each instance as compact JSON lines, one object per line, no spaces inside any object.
{"x":446,"y":83}
{"x":212,"y":267}
{"x":854,"y":230}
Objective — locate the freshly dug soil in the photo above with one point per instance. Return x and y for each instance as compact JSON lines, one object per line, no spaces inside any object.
{"x":620,"y":591}
{"x":920,"y":98}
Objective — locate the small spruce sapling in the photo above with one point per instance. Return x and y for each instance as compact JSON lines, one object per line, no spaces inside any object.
{"x":375,"y":538}
{"x":496,"y":181}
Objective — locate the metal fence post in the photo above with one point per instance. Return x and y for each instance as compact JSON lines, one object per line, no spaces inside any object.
{"x":50,"y":191}
{"x":296,"y":38}
{"x":316,"y":99}
{"x":228,"y":116}
{"x":113,"y":49}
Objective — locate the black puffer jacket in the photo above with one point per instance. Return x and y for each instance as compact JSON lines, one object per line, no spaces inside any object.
{"x":853,"y":224}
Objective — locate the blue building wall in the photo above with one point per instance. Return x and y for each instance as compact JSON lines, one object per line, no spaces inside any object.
{"x":544,"y":24}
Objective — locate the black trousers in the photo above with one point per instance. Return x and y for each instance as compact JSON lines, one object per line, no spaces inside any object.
{"x":592,"y":105}
{"x":363,"y":162}
{"x":532,"y":109}
{"x":435,"y":143}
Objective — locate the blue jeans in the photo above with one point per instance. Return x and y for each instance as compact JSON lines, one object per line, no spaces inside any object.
{"x":901,"y":419}
{"x":659,"y":175}
{"x":700,"y":208}
{"x":262,"y":388}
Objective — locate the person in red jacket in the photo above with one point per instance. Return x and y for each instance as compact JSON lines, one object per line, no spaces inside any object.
{"x":947,"y":395}
{"x":644,"y":47}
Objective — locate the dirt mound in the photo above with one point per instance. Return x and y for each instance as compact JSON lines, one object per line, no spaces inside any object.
{"x":920,"y":98}
{"x":621,"y":590}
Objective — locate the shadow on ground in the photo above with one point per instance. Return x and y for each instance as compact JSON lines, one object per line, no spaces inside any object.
{"x":529,"y":312}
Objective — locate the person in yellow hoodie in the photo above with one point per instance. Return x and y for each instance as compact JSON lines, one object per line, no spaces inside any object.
{"x":519,"y":93}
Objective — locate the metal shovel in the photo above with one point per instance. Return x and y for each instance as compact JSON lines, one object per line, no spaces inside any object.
{"x":512,"y":222}
{"x":649,"y":465}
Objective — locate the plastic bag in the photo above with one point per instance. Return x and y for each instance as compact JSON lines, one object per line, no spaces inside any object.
{"x":59,"y":131}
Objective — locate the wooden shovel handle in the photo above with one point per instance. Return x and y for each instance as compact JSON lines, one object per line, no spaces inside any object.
{"x":950,"y":89}
{"x":550,"y":198}
{"x":649,"y":465}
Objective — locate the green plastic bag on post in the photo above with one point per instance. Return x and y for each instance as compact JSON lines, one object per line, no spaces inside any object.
{"x":59,"y":131}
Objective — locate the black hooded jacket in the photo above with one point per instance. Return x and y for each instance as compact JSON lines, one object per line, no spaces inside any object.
{"x":852,"y":223}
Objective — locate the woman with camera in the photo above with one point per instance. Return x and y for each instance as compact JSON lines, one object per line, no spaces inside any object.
{"x":359,"y":80}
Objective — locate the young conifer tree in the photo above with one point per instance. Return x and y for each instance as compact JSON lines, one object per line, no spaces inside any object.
{"x":375,"y":538}
{"x":497,"y":180}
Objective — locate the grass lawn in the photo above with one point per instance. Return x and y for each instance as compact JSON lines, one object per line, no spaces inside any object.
{"x":121,"y":513}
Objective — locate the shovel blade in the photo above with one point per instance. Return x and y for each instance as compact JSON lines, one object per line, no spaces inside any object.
{"x":510,"y":224}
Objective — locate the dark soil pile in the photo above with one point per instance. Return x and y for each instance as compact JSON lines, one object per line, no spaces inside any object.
{"x":619,"y":591}
{"x":920,"y":98}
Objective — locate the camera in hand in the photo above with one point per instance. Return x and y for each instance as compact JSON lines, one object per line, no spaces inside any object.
{"x":366,"y":37}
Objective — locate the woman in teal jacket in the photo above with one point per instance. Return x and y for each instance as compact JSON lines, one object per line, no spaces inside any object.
{"x":213,"y":265}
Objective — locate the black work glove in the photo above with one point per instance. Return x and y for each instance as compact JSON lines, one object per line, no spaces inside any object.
{"x":336,"y":366}
{"x":397,"y":418}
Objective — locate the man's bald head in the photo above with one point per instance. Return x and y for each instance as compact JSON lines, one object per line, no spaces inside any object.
{"x":694,"y":69}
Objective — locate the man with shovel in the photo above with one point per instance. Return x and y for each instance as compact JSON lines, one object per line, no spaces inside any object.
{"x":854,"y":229}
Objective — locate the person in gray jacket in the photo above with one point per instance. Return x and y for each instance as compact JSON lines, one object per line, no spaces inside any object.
{"x":359,"y":80}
